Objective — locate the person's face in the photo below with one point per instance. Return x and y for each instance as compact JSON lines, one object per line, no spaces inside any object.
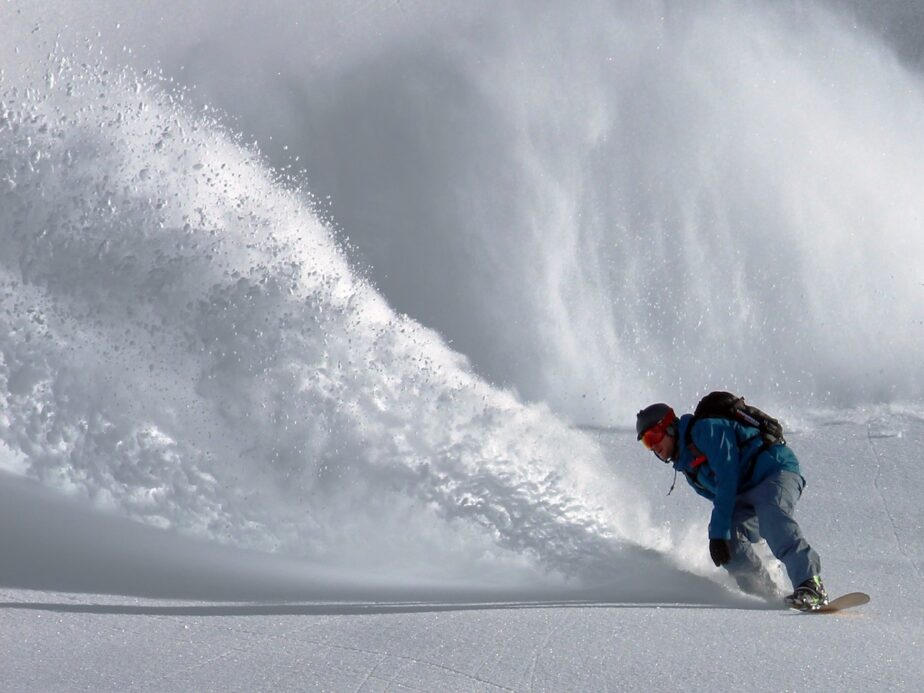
{"x":665,"y":447}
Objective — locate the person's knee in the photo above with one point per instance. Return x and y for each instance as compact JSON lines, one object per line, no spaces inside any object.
{"x":746,"y":531}
{"x":743,"y":558}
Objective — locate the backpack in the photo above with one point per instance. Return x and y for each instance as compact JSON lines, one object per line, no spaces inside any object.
{"x":725,"y":405}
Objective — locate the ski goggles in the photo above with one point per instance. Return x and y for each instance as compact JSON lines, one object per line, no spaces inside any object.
{"x":656,"y":433}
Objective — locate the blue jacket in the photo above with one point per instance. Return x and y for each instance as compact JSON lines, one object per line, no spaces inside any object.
{"x":729,"y":448}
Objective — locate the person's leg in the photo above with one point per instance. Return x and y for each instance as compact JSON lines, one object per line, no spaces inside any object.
{"x":745,"y":566}
{"x":774,"y":502}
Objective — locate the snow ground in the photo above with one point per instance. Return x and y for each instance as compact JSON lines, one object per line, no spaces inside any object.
{"x":861,"y":509}
{"x":68,"y":642}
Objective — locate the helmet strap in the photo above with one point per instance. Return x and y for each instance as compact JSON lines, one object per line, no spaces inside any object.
{"x":674,"y":483}
{"x":671,"y":431}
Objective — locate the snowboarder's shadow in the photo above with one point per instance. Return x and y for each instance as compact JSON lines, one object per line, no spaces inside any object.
{"x":342,"y":609}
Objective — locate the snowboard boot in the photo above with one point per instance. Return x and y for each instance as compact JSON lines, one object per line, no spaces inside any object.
{"x":809,"y":596}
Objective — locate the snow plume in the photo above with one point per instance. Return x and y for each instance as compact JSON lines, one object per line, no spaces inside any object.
{"x":183,"y":342}
{"x":636,"y":201}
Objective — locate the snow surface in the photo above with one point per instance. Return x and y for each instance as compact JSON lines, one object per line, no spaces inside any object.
{"x":297,"y":627}
{"x":258,"y":438}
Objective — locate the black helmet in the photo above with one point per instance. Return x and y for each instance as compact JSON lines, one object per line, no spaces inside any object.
{"x":652,"y":415}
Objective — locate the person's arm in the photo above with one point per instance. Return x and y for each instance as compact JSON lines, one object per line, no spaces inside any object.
{"x":716,"y":439}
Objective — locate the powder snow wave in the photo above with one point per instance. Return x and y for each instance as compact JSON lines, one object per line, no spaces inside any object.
{"x":184,"y":342}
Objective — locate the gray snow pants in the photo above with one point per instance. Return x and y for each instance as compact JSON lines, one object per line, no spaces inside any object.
{"x":766,"y":512}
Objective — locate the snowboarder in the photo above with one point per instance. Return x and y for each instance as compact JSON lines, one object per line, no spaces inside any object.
{"x":753,"y":488}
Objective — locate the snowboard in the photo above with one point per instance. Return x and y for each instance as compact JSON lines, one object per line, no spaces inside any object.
{"x":845,"y":601}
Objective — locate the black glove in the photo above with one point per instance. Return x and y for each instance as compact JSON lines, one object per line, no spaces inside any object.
{"x":720,"y":550}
